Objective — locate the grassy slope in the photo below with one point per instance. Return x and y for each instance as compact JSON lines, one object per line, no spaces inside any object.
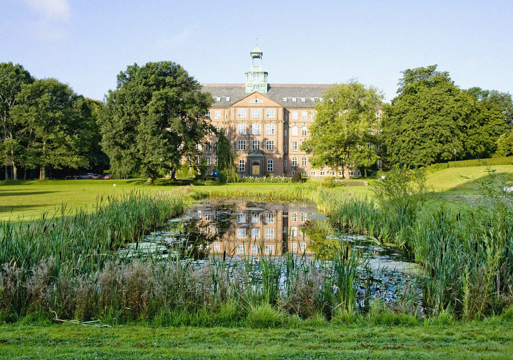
{"x":465,"y":181}
{"x":484,"y":340}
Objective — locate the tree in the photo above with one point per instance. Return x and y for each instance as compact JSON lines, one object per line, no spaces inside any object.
{"x":504,"y":145}
{"x":225,"y":159}
{"x":345,"y":124}
{"x":11,"y":79}
{"x":503,"y":100}
{"x":153,"y":120}
{"x":432,"y":120}
{"x":53,"y":124}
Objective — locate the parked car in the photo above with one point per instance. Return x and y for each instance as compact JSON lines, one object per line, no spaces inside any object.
{"x":87,"y":176}
{"x":106,"y":177}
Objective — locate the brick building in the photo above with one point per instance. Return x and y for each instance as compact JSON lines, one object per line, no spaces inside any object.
{"x":266,"y":123}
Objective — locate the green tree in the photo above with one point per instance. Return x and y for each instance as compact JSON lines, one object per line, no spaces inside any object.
{"x":225,"y":160}
{"x":503,"y":100}
{"x":345,"y":124}
{"x":53,"y":123}
{"x":153,"y":120}
{"x":12,"y":77}
{"x":426,"y":122}
{"x":504,"y":145}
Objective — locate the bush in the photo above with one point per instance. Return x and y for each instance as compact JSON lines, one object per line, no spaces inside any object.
{"x":297,"y":178}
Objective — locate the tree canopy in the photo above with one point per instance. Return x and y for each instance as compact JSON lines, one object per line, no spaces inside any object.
{"x":345,"y":124}
{"x":53,"y":124}
{"x":432,"y":120}
{"x":153,"y":119}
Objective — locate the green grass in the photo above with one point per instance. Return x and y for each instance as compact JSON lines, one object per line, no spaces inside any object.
{"x":475,"y":340}
{"x":465,"y":180}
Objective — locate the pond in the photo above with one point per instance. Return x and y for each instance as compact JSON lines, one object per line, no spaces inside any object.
{"x":242,"y":231}
{"x":243,"y":228}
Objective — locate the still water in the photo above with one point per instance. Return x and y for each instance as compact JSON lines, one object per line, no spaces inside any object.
{"x":237,"y":229}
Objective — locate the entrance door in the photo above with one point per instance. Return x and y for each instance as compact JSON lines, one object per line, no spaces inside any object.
{"x":255,"y":169}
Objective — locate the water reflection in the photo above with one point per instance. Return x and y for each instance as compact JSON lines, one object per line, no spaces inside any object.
{"x":241,"y":229}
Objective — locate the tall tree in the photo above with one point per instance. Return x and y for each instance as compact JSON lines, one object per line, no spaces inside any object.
{"x":153,"y":120}
{"x":427,"y":120}
{"x":226,"y":159}
{"x":12,"y":77}
{"x":53,"y":123}
{"x":345,"y":124}
{"x":501,"y":99}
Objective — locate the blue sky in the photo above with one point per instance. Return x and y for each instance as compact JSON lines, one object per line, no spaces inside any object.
{"x":87,"y":43}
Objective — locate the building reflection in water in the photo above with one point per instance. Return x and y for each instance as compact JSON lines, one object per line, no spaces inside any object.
{"x":251,"y":228}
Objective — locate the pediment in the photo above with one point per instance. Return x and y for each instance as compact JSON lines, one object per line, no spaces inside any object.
{"x":256,"y":99}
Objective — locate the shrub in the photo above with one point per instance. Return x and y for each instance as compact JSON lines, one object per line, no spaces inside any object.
{"x":297,"y":178}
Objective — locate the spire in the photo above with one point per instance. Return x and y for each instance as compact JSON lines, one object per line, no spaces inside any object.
{"x":256,"y":78}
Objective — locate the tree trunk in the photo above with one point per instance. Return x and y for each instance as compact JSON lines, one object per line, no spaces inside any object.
{"x":24,"y":173}
{"x":42,"y":173}
{"x":365,"y":172}
{"x":14,"y":171}
{"x":173,"y":174}
{"x":6,"y":172}
{"x":149,"y":180}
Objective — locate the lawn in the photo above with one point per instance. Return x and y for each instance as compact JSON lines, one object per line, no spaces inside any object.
{"x":476,"y":340}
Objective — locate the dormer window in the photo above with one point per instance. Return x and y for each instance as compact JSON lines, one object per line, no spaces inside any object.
{"x":227,"y":98}
{"x":302,"y":99}
{"x":284,"y":99}
{"x":293,"y":99}
{"x":312,"y":99}
{"x":218,"y":98}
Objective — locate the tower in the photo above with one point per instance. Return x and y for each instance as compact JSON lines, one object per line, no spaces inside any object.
{"x":256,"y":78}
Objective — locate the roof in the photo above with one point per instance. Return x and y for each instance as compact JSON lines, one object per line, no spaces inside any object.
{"x":276,"y":92}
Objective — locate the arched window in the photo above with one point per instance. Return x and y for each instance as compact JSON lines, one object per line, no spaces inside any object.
{"x":303,"y":161}
{"x":294,"y":131}
{"x":294,"y":161}
{"x":304,"y":131}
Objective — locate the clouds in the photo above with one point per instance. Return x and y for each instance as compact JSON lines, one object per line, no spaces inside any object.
{"x":52,"y":19}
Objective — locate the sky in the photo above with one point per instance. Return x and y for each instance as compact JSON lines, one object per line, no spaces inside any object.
{"x":86,"y":44}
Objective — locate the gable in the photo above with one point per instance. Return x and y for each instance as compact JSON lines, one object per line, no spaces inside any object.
{"x":256,"y":100}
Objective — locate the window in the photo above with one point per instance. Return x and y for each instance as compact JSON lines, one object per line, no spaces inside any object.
{"x":218,"y":128}
{"x":215,"y":162}
{"x":255,"y":249}
{"x":207,"y":159}
{"x":241,"y":145}
{"x":269,"y":218}
{"x":255,"y":113}
{"x":255,"y":129}
{"x":303,"y":99}
{"x":304,"y":131}
{"x":294,"y":247}
{"x":217,"y":114}
{"x":255,"y":218}
{"x":208,"y":147}
{"x":227,"y":98}
{"x":242,"y":165}
{"x":304,"y":115}
{"x":241,"y":218}
{"x":284,"y":99}
{"x":241,"y":233}
{"x":294,"y":115}
{"x":217,"y":247}
{"x":218,"y":98}
{"x":293,"y":99}
{"x":269,"y":113}
{"x":255,"y":145}
{"x":269,"y":233}
{"x":303,"y":216}
{"x":256,"y":101}
{"x":285,"y":148}
{"x":256,"y":76}
{"x":302,"y":246}
{"x":313,"y":115}
{"x":208,"y":217}
{"x":303,"y":173}
{"x":322,"y":173}
{"x":199,"y":147}
{"x":294,"y":146}
{"x":255,"y":233}
{"x":293,"y":231}
{"x":242,"y":129}
{"x":285,"y":163}
{"x":269,"y":129}
{"x":303,"y":161}
{"x":293,"y":216}
{"x":294,"y":161}
{"x":269,"y":145}
{"x":294,"y":131}
{"x":332,"y":173}
{"x":312,"y":173}
{"x":269,"y":249}
{"x":241,"y":113}
{"x":241,"y":249}
{"x":286,"y":132}
{"x":269,"y":165}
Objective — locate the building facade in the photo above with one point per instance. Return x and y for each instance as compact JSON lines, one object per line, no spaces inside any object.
{"x":266,"y":123}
